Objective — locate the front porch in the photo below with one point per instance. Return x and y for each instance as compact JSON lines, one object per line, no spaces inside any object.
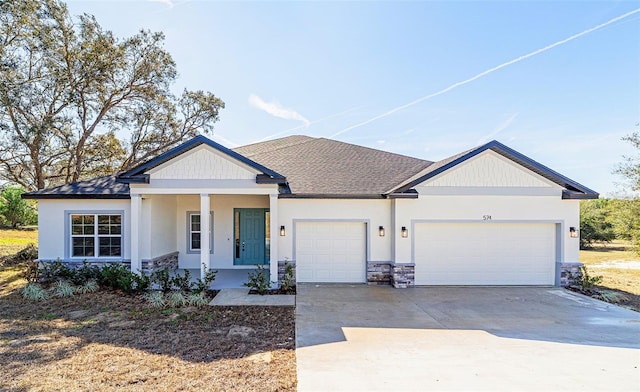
{"x":240,"y":231}
{"x":225,"y":278}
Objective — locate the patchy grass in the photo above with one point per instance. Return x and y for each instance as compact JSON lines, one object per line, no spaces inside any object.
{"x":107,"y":341}
{"x":12,"y":240}
{"x":619,"y":267}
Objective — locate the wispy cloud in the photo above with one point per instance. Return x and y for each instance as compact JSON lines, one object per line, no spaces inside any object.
{"x":168,"y":3}
{"x":487,"y":72}
{"x":501,"y":127}
{"x":312,"y":122}
{"x":275,"y":109}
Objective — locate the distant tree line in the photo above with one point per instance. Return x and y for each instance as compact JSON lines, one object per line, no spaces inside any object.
{"x":603,"y":220}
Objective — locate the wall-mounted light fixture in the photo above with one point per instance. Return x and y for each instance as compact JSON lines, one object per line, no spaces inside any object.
{"x":404,"y":232}
{"x":282,"y":231}
{"x":381,"y":231}
{"x":573,"y":233}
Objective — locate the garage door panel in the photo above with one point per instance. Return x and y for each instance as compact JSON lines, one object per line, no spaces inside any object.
{"x":330,"y":252}
{"x":488,"y":253}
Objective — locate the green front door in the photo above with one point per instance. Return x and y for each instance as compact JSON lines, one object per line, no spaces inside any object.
{"x":250,"y":236}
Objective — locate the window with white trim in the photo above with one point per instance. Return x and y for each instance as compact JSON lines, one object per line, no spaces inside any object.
{"x":96,"y":235}
{"x":195,"y":233}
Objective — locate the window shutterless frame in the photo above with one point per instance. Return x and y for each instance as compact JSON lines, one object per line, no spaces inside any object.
{"x":194,"y":233}
{"x":95,"y":235}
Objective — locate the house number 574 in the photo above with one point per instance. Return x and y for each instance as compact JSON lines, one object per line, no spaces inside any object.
{"x":486,"y":217}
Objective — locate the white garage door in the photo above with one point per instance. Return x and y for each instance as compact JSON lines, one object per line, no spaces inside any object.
{"x":486,"y":253}
{"x":330,"y":252}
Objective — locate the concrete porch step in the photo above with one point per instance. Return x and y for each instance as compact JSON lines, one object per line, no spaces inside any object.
{"x":241,"y":297}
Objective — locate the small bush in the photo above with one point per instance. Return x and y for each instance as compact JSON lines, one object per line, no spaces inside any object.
{"x":62,"y":289}
{"x":162,"y":278}
{"x":287,"y":282}
{"x":182,"y":282}
{"x":53,"y":271}
{"x":586,"y":281}
{"x":176,"y":299}
{"x":34,"y":292}
{"x":258,"y":280}
{"x":202,"y":285}
{"x":89,"y":287}
{"x":85,"y":274}
{"x":197,"y":299}
{"x":119,"y":277}
{"x":156,"y":299}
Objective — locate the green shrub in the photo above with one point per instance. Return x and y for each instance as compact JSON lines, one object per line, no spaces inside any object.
{"x":62,"y":288}
{"x":85,"y":274}
{"x":182,"y":282}
{"x":34,"y":292}
{"x":202,"y":285}
{"x":258,"y":280}
{"x":287,"y":282}
{"x":163,"y":279}
{"x":53,"y":271}
{"x":119,"y":277}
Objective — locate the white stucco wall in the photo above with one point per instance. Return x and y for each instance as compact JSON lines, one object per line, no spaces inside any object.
{"x":498,"y":208}
{"x":223,"y":241}
{"x":162,"y":227}
{"x":52,"y":236}
{"x":375,"y":212}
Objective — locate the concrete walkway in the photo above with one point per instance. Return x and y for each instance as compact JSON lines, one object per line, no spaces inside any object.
{"x":368,"y":338}
{"x":241,"y":297}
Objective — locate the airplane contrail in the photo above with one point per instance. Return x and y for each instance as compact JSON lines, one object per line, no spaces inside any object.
{"x":487,"y":72}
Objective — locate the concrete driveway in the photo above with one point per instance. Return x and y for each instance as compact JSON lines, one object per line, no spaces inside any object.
{"x":365,"y":338}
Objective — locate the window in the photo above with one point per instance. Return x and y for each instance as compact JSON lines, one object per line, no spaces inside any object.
{"x":194,"y":232}
{"x":96,"y":235}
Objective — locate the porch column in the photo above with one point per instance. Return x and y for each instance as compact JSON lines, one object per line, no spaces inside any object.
{"x":136,"y":217}
{"x":274,"y":233}
{"x":205,"y":212}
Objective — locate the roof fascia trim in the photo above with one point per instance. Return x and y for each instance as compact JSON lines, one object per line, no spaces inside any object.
{"x":190,"y":144}
{"x":514,"y":156}
{"x":74,"y":196}
{"x":326,"y":196}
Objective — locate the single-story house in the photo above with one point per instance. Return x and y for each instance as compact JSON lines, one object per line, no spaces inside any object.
{"x":338,"y":212}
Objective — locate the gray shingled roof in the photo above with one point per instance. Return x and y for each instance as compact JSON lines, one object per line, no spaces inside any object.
{"x":97,"y":188}
{"x":319,"y":166}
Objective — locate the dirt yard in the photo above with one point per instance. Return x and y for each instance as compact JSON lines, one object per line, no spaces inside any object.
{"x":108,"y":341}
{"x":619,"y":267}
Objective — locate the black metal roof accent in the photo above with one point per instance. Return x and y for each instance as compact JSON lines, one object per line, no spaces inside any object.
{"x":134,"y":175}
{"x":575,"y":189}
{"x":97,"y":188}
{"x":409,"y":194}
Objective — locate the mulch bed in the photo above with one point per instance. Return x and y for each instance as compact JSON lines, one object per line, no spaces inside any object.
{"x":109,"y":341}
{"x":624,"y":299}
{"x":291,"y":291}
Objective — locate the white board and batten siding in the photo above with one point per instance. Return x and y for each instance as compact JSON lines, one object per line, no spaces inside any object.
{"x":203,"y":162}
{"x":330,"y":252}
{"x":485,"y":253}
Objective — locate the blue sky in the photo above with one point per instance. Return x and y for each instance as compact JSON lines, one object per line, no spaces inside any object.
{"x":385,"y":74}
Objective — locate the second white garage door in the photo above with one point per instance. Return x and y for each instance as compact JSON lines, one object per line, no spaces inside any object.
{"x":487,"y":253}
{"x":333,"y":252}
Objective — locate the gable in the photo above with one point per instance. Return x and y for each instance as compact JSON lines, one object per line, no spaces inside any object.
{"x":203,"y":162}
{"x":489,"y":169}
